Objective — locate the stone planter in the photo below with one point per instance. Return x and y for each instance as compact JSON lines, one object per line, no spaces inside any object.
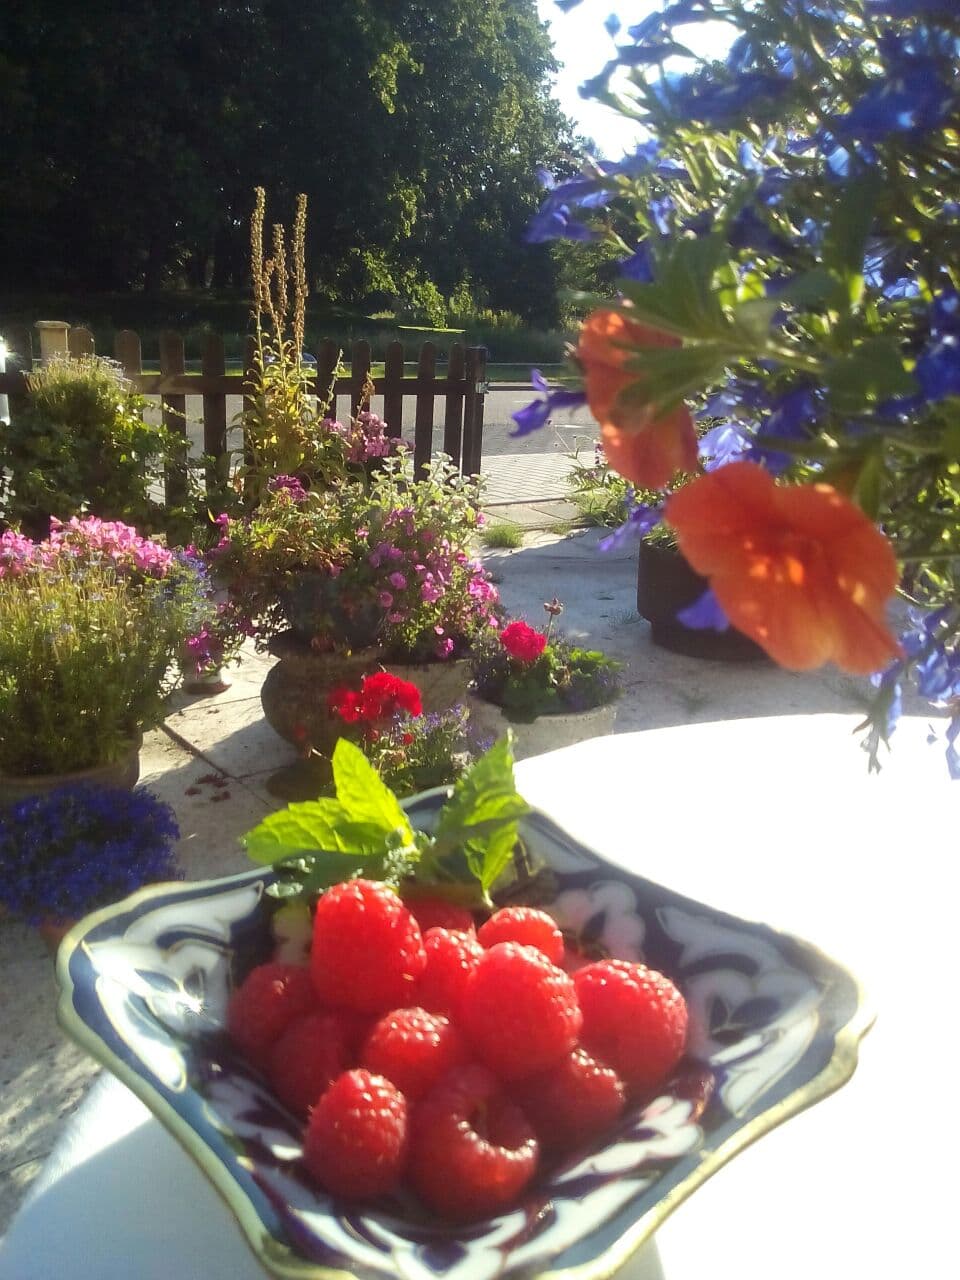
{"x":547,"y":733}
{"x":665,"y":585}
{"x":442,"y":684}
{"x":295,"y":693}
{"x":121,"y":773}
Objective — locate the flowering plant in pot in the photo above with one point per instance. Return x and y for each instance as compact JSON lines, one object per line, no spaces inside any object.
{"x":91,"y":621}
{"x":80,"y":847}
{"x":533,"y":678}
{"x":789,"y":237}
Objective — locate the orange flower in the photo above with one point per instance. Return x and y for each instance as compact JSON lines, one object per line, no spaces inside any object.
{"x":799,"y":569}
{"x":645,"y":450}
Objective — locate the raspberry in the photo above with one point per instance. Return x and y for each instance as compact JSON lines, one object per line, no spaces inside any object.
{"x":413,"y":1049}
{"x":572,"y":1103}
{"x":519,"y":1011}
{"x":439,"y":913}
{"x":472,"y":1150}
{"x":306,"y":1060}
{"x":356,"y":1138}
{"x":451,"y":959}
{"x":527,"y":925}
{"x":634,"y":1019}
{"x":270,"y":997}
{"x":367,"y":950}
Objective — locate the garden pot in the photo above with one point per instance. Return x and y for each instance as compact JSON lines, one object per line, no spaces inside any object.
{"x":295,"y":694}
{"x":546,"y":733}
{"x":313,"y":604}
{"x":124,"y":772}
{"x":442,"y":684}
{"x":206,"y":683}
{"x":666,"y":585}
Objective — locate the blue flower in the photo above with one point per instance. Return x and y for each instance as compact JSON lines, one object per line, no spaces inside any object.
{"x":639,"y":266}
{"x":952,"y":754}
{"x":538,"y":413}
{"x":641,"y":520}
{"x":710,"y":101}
{"x":749,"y":231}
{"x":911,"y":8}
{"x":793,"y":416}
{"x":705,"y":614}
{"x":721,"y":445}
{"x":938,"y":369}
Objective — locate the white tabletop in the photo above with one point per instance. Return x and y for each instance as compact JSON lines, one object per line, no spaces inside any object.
{"x":772,"y":819}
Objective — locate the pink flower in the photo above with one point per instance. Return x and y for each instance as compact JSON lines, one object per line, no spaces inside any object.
{"x":396,"y":617}
{"x":444,"y":648}
{"x":397,"y":580}
{"x":429,"y":592}
{"x":386,"y":599}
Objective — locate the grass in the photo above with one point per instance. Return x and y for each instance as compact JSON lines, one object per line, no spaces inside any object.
{"x":502,"y":537}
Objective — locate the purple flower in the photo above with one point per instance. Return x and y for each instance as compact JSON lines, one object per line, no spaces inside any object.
{"x":537,"y":414}
{"x":397,"y":580}
{"x":641,"y":520}
{"x":288,"y":485}
{"x":705,"y":614}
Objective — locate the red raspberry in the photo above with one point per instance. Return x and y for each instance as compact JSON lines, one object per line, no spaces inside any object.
{"x":572,"y":1103}
{"x":519,"y":1011}
{"x":306,"y":1060}
{"x":413,"y":1049}
{"x":356,"y":1139}
{"x":634,"y":1019}
{"x":472,"y":1150}
{"x":367,"y":950}
{"x":527,"y":925}
{"x":270,"y":997}
{"x":439,"y":913}
{"x":451,"y":959}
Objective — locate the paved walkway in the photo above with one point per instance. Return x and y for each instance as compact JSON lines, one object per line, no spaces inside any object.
{"x":527,"y":477}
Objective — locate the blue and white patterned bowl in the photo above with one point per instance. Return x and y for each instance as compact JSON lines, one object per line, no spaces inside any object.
{"x":774,"y":1027}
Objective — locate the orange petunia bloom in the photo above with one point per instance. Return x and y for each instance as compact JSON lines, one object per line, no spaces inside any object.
{"x":799,"y":569}
{"x":645,"y":450}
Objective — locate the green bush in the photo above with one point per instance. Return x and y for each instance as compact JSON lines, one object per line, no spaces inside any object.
{"x":79,"y":443}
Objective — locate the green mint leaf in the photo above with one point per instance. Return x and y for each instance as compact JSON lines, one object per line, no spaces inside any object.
{"x":316,"y":825}
{"x":365,"y":797}
{"x":480,"y":817}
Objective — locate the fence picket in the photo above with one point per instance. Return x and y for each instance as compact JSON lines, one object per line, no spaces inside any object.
{"x":212,"y":365}
{"x":126,"y":350}
{"x":423,"y":428}
{"x":476,"y":379}
{"x":173,"y":412}
{"x":393,"y":390}
{"x":359,"y":368}
{"x":453,"y":410}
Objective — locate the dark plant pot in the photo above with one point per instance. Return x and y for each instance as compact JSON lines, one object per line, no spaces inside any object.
{"x":295,"y":694}
{"x":313,"y":605}
{"x":124,"y":772}
{"x":666,"y":585}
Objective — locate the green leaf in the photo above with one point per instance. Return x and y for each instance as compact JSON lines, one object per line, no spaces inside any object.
{"x":312,"y":826}
{"x":872,"y":372}
{"x":365,"y":797}
{"x":817,"y":287}
{"x":868,"y":488}
{"x":671,"y":373}
{"x":846,"y":236}
{"x":480,"y":816}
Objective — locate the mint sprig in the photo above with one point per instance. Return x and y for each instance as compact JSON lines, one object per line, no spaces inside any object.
{"x":365,"y":831}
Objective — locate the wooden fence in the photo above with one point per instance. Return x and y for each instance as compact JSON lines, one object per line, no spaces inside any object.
{"x":463,"y":385}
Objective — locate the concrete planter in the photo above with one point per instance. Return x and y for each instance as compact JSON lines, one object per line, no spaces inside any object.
{"x":124,"y":773}
{"x":296,"y":692}
{"x":442,"y":684}
{"x":547,"y":733}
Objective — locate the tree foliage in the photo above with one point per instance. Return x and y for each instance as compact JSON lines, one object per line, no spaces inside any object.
{"x":133,"y":136}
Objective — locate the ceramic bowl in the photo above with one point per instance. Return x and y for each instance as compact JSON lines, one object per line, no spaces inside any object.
{"x":775,"y":1026}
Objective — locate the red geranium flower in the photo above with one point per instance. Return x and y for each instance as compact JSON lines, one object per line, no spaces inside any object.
{"x":345,"y":703}
{"x":383,"y":696}
{"x":522,"y":642}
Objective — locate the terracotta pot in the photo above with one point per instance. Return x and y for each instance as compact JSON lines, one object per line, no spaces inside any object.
{"x":295,"y":693}
{"x":442,"y":684}
{"x":124,"y":772}
{"x":206,"y":684}
{"x":546,"y":733}
{"x":666,"y":585}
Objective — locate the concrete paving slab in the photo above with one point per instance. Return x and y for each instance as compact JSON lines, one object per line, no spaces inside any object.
{"x":232,"y":736}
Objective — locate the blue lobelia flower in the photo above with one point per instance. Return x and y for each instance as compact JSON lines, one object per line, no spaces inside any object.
{"x":705,"y":614}
{"x":952,"y":754}
{"x":794,"y":416}
{"x":721,"y":445}
{"x":538,"y":413}
{"x":641,"y":519}
{"x":749,"y":231}
{"x":911,"y":8}
{"x":938,"y":369}
{"x":639,"y":266}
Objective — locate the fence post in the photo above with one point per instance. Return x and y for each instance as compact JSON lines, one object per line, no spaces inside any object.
{"x":174,"y":416}
{"x":423,"y":428}
{"x":53,"y":340}
{"x":453,"y":410}
{"x":473,"y":410}
{"x":4,"y":402}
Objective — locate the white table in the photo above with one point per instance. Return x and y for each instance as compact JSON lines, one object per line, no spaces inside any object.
{"x":772,"y":819}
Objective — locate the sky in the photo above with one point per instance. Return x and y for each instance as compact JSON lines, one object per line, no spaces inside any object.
{"x":582,"y":46}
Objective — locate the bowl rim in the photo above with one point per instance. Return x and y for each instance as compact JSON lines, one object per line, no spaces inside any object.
{"x":282,"y":1261}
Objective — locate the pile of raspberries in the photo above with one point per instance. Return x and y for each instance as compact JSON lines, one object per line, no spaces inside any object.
{"x":420,"y":1049}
